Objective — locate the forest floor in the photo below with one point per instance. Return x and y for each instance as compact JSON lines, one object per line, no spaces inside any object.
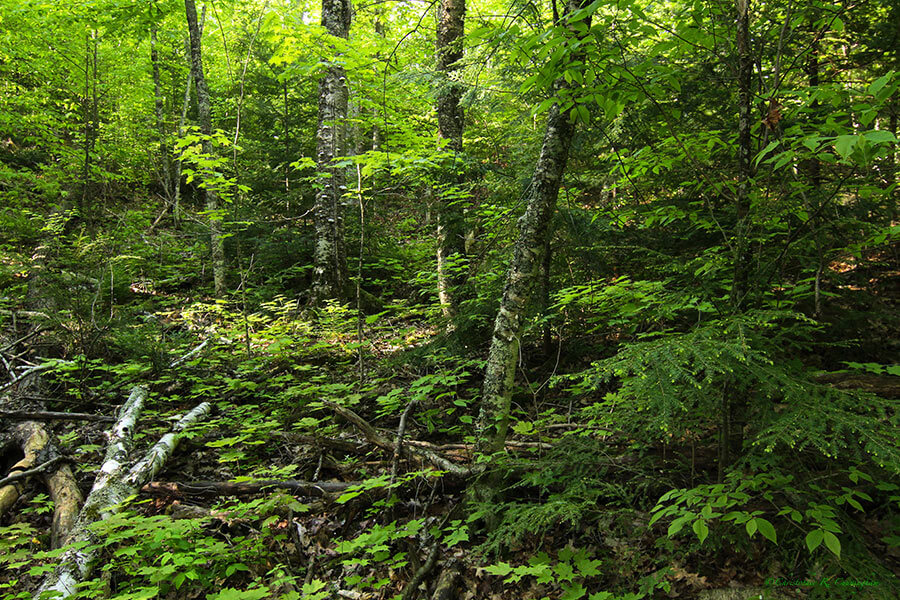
{"x":338,"y":462}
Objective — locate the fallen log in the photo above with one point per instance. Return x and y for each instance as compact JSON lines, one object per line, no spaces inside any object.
{"x":316,"y":489}
{"x":38,"y":445}
{"x":886,"y":386}
{"x":112,"y":487}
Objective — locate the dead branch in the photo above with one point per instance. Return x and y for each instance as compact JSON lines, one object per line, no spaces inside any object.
{"x":418,"y":455}
{"x":23,"y":339}
{"x":398,"y":443}
{"x":175,"y":489}
{"x":24,"y":375}
{"x":446,"y":588}
{"x":183,"y":359}
{"x":347,"y":446}
{"x":412,"y":588}
{"x":886,"y":386}
{"x":54,"y":416}
{"x":20,"y":475}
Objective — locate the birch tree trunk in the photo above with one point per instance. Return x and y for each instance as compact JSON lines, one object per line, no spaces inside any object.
{"x":216,"y":240}
{"x":112,"y":487}
{"x":330,"y":256}
{"x":451,"y":224}
{"x":520,"y":289}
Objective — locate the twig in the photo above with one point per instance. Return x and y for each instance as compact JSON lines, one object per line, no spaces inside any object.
{"x":25,"y":375}
{"x":398,"y":443}
{"x":20,"y":475}
{"x":12,"y":345}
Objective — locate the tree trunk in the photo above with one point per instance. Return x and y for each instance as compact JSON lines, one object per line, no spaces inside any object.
{"x":521,"y":277}
{"x":216,"y":240}
{"x":330,"y":256}
{"x":742,"y":255}
{"x":451,"y":224}
{"x":734,"y":400}
{"x":112,"y":487}
{"x":165,"y":156}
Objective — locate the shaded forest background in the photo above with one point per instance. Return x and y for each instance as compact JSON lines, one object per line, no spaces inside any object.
{"x":500,"y":300}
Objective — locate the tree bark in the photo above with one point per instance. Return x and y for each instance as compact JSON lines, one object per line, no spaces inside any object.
{"x":165,"y":155}
{"x":330,"y":255}
{"x":451,"y":223}
{"x":216,"y":240}
{"x":734,"y":401}
{"x":38,"y":445}
{"x":519,"y":290}
{"x":742,"y":257}
{"x":112,"y":487}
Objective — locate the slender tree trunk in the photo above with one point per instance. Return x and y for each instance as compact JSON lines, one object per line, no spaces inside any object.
{"x":216,"y":241}
{"x":522,"y":275}
{"x":742,"y":258}
{"x":734,"y":399}
{"x":91,"y":114}
{"x":185,"y":106}
{"x":330,"y":256}
{"x":165,"y":155}
{"x":451,"y":232}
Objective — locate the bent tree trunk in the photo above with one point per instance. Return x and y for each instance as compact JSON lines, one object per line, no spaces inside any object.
{"x":519,"y":290}
{"x":112,"y":487}
{"x":451,"y":223}
{"x":216,"y":239}
{"x":330,"y":257}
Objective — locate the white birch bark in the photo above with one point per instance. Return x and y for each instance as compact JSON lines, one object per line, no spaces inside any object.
{"x":329,"y":256}
{"x":519,"y":290}
{"x":112,"y":487}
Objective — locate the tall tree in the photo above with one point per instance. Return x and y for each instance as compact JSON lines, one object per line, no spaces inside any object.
{"x":451,"y":224}
{"x":330,"y":256}
{"x":745,"y":155}
{"x":216,"y":240}
{"x":522,"y":274}
{"x":165,"y":159}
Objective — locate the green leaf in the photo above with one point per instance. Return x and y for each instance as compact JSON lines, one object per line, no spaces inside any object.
{"x":751,"y":527}
{"x":844,"y":144}
{"x":814,"y":538}
{"x":880,"y":136}
{"x":833,"y":543}
{"x":501,"y":569}
{"x":766,"y":150}
{"x":878,"y":84}
{"x":766,"y":529}
{"x":574,"y":592}
{"x":701,"y":529}
{"x":678,"y":524}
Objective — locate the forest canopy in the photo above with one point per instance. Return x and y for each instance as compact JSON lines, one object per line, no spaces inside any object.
{"x":447,"y":299}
